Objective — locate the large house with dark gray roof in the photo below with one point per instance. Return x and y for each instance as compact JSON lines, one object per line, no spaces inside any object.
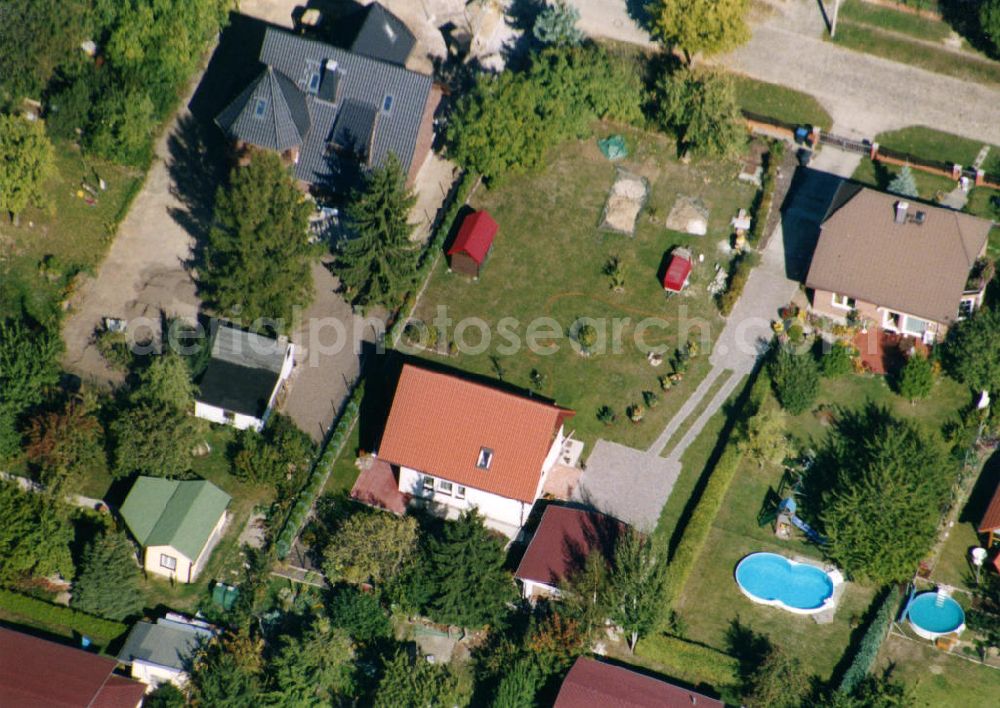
{"x":333,"y":113}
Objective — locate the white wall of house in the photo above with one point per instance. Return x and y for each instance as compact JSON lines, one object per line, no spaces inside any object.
{"x":157,"y":559}
{"x":220,"y":416}
{"x":506,"y":511}
{"x":154,"y":674}
{"x":533,"y":589}
{"x":550,"y":459}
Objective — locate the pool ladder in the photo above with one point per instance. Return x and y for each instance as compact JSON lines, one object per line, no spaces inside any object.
{"x":943,"y":594}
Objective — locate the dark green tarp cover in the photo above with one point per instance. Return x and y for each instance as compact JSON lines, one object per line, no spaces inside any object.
{"x":613,"y":147}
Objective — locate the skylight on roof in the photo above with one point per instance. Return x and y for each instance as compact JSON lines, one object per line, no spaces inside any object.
{"x":389,"y":32}
{"x":485,"y":458}
{"x":387,"y":104}
{"x":260,"y":107}
{"x":313,"y":82}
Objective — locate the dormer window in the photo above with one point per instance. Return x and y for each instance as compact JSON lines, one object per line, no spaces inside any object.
{"x":313,"y":82}
{"x":260,"y":107}
{"x":387,"y":104}
{"x":485,"y":458}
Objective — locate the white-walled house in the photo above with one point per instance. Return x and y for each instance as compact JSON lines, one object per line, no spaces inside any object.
{"x":243,"y":378}
{"x":455,"y":444}
{"x":177,"y":524}
{"x":158,"y":653}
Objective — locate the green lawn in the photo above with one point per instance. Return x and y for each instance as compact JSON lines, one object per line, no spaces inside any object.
{"x":865,"y":38}
{"x":344,"y":471}
{"x":879,"y":174}
{"x":921,"y":141}
{"x":937,"y":678}
{"x":780,"y":102}
{"x":547,"y":262}
{"x":52,"y":244}
{"x":860,"y":12}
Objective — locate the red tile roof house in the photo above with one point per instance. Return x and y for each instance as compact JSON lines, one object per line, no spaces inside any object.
{"x":908,"y":268}
{"x":593,"y":683}
{"x":36,"y":673}
{"x":456,"y":444}
{"x":564,"y":539}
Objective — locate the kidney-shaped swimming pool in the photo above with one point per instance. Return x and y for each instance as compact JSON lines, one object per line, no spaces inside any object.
{"x":771,"y":579}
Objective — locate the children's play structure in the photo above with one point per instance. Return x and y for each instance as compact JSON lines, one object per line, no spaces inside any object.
{"x":780,"y":506}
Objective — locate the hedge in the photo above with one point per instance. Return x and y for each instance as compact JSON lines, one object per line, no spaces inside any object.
{"x":738,"y":277}
{"x":31,"y":608}
{"x":871,"y":641}
{"x":766,"y":196}
{"x":692,"y":663}
{"x":321,"y":469}
{"x":700,"y":524}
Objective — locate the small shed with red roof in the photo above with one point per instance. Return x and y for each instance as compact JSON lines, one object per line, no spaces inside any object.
{"x":473,"y":243}
{"x":678,"y":270}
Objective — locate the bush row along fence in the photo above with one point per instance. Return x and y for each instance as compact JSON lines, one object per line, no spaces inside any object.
{"x":320,"y":471}
{"x":871,"y":641}
{"x":690,"y":662}
{"x":32,"y":609}
{"x":341,"y":431}
{"x":777,"y":128}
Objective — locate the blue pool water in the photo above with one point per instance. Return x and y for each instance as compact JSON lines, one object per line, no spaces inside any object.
{"x":925,"y":613}
{"x":770,"y":577}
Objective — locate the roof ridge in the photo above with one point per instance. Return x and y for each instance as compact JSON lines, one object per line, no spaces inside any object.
{"x":492,"y":389}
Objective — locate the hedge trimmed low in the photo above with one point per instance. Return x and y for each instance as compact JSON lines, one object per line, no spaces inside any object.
{"x":320,"y":471}
{"x":871,"y":641}
{"x":100,"y":630}
{"x":690,"y":662}
{"x":700,"y":524}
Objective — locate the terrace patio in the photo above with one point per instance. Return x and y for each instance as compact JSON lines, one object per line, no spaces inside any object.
{"x":882,"y":351}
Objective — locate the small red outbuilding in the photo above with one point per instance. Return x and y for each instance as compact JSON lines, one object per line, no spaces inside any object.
{"x":678,"y":270}
{"x":473,"y":243}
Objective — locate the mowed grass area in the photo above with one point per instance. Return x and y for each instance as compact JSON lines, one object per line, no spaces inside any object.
{"x":39,"y":258}
{"x":547,"y":262}
{"x":860,"y":12}
{"x":921,"y":141}
{"x":711,"y":603}
{"x":869,"y":39}
{"x":937,"y":678}
{"x":879,"y":174}
{"x":780,"y":102}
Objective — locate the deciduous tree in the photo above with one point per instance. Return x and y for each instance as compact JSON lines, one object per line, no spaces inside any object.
{"x":280,"y":455}
{"x":972,"y":353}
{"x":26,"y":161}
{"x":779,"y":681}
{"x":122,"y":124}
{"x":989,"y":21}
{"x":406,"y":683}
{"x":228,"y":671}
{"x":371,"y":547}
{"x":700,"y":26}
{"x":153,"y":439}
{"x":378,"y":263}
{"x":28,"y":365}
{"x":472,"y":587}
{"x":636,"y":585}
{"x":66,"y":442}
{"x":258,"y":259}
{"x":699,"y":107}
{"x":358,"y":613}
{"x":888,"y":482}
{"x":763,"y":439}
{"x":35,"y":536}
{"x":36,"y":36}
{"x":107,"y":583}
{"x":314,"y":669}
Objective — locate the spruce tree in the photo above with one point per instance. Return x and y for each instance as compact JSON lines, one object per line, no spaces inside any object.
{"x":904,"y":184}
{"x":108,"y":582}
{"x":472,"y":586}
{"x":378,"y":263}
{"x":636,"y":586}
{"x":258,"y":259}
{"x":916,"y":379}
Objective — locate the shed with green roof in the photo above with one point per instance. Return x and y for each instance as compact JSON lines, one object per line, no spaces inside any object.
{"x":176,"y":522}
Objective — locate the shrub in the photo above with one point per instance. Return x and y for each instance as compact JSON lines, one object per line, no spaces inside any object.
{"x":916,"y":378}
{"x":795,"y":334}
{"x":692,"y":663}
{"x":837,"y":361}
{"x":765,"y":197}
{"x":101,"y":630}
{"x":739,"y":273}
{"x":635,"y":413}
{"x":650,"y":399}
{"x":796,"y":380}
{"x":871,"y":642}
{"x":606,"y":415}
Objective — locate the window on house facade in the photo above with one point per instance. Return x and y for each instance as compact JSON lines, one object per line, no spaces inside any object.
{"x":444,"y":487}
{"x":966,"y":308}
{"x":460,"y":492}
{"x":485,"y":458}
{"x":428,"y":485}
{"x":168,"y":562}
{"x":843,"y":302}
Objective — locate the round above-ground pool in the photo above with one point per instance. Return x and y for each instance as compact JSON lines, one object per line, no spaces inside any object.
{"x":771,"y":579}
{"x":932,"y":615}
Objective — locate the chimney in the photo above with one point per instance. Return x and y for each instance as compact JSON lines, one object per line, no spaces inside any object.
{"x":901,"y":208}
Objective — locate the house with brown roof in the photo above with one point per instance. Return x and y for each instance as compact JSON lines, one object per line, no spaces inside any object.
{"x":455,"y":444}
{"x":39,"y":673}
{"x":594,"y":683}
{"x":565,"y":538}
{"x":908,"y":268}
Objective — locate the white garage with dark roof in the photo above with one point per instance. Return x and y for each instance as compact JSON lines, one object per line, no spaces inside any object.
{"x":243,"y":378}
